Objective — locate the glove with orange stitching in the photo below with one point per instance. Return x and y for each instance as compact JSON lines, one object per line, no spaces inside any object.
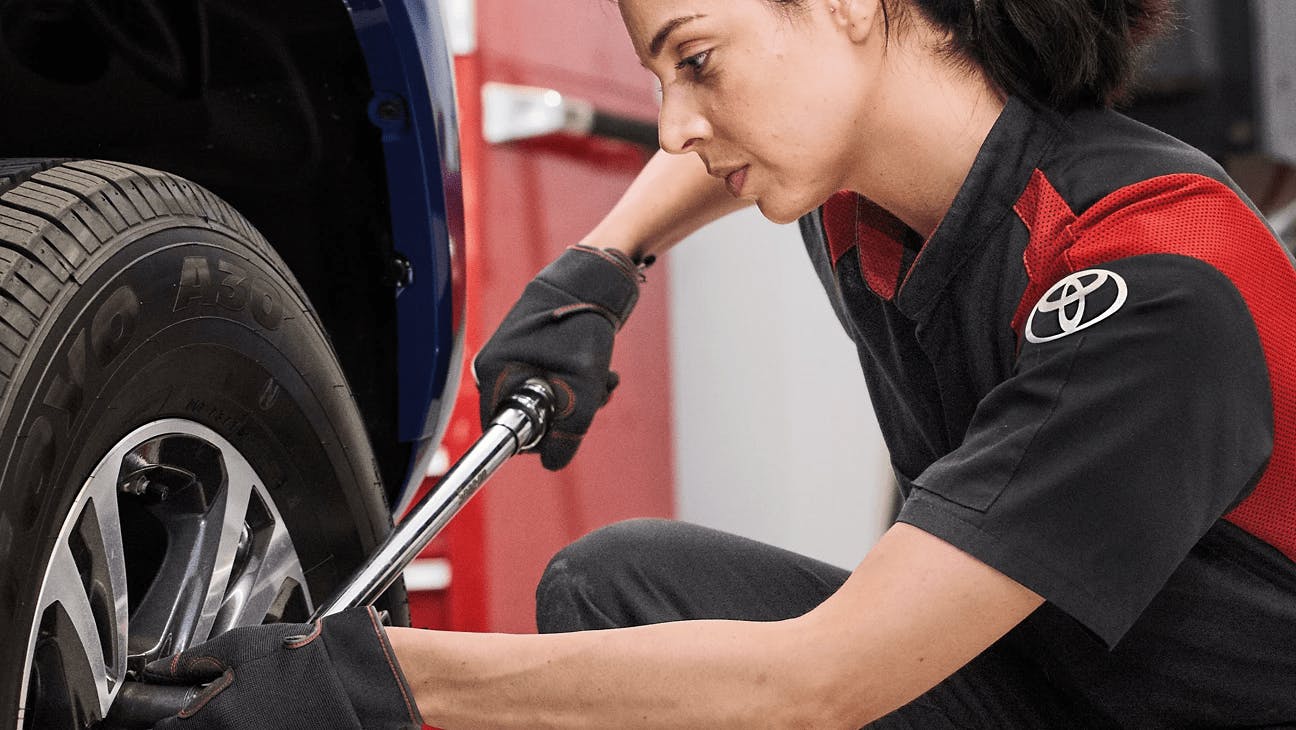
{"x":339,"y":672}
{"x":561,"y":329}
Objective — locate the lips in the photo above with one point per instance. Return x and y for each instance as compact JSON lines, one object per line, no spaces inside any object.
{"x":734,"y":181}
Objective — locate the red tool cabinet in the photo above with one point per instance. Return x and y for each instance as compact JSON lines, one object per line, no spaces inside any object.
{"x":525,"y":202}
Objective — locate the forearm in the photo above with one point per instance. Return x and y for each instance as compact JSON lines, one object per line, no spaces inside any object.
{"x":913,"y":612}
{"x":713,"y":674}
{"x":672,"y":197}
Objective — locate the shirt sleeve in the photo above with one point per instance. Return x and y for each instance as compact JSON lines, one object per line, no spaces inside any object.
{"x":1138,"y":414}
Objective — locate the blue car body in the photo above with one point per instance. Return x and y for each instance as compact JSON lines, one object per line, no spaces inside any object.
{"x":414,"y":106}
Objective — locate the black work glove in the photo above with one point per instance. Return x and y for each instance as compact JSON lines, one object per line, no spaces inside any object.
{"x":561,"y":329}
{"x":339,"y":672}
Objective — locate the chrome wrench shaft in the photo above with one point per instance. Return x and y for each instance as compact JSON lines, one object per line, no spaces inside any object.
{"x":519,"y":425}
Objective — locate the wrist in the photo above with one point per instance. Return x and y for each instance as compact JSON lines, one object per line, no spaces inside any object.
{"x":635,"y":266}
{"x":407,"y":645}
{"x":641,"y":253}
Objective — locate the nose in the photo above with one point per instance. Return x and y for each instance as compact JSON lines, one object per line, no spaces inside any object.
{"x":680,"y":125}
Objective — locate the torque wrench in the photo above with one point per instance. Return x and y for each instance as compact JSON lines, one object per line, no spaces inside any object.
{"x":519,"y":425}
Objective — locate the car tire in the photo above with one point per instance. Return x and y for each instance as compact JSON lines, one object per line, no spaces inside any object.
{"x":136,"y":307}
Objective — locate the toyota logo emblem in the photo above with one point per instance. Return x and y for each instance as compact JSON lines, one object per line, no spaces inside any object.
{"x":1077,"y":302}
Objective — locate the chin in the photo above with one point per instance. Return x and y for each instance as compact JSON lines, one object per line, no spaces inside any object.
{"x":782,"y":211}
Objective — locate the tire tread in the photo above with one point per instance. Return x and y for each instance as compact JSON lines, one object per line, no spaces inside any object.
{"x":71,"y":232}
{"x":22,"y":232}
{"x":13,"y":171}
{"x":54,"y":216}
{"x":88,"y":190}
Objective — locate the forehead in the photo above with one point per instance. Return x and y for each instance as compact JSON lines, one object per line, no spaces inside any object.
{"x":645,"y":19}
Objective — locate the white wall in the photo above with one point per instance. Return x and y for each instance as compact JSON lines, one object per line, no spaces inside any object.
{"x":774,"y":434}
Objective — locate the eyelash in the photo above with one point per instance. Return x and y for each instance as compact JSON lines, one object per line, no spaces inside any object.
{"x":694,"y":64}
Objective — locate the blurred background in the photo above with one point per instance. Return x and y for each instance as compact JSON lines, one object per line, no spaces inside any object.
{"x":742,"y":406}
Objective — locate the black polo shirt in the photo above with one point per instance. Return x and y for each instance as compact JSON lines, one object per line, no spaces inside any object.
{"x":1087,"y":379}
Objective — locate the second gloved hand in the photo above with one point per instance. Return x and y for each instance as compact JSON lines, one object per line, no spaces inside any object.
{"x":561,"y":329}
{"x":339,"y":672}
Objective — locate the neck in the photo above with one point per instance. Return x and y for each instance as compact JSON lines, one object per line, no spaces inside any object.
{"x":917,"y":159}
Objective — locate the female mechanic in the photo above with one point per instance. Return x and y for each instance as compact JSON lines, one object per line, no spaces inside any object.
{"x":1077,"y":336}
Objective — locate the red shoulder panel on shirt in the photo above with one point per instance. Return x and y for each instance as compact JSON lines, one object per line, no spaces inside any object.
{"x":1188,"y":215}
{"x":1049,"y":219}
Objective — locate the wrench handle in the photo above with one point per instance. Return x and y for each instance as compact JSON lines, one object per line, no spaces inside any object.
{"x":519,"y":425}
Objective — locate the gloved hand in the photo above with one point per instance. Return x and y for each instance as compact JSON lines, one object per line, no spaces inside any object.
{"x":339,"y":672}
{"x":561,"y":329}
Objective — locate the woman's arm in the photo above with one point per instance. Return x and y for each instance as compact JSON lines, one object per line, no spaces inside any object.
{"x":913,"y":612}
{"x":672,"y":197}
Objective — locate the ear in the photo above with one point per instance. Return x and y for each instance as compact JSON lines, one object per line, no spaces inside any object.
{"x":856,"y":17}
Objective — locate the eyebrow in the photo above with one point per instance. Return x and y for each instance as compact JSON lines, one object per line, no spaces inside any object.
{"x":659,"y":39}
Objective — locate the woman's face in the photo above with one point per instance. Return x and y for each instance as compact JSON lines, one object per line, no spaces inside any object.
{"x":775,"y":100}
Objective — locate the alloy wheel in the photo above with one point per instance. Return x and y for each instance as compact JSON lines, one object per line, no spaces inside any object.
{"x":172,"y":539}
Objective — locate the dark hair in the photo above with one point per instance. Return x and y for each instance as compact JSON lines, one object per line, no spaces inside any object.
{"x":1060,"y":53}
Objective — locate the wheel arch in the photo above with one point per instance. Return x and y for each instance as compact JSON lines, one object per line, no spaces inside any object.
{"x":278,"y":109}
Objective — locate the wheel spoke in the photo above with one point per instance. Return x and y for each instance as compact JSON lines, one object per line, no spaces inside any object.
{"x":203,"y":528}
{"x":173,"y":600}
{"x":83,"y":604}
{"x":271,"y":568}
{"x":114,"y":560}
{"x":229,"y":516}
{"x":78,"y":618}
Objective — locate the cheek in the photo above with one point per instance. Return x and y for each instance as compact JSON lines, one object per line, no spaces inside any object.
{"x":799,"y":128}
{"x":798,"y":145}
{"x":792,"y":128}
{"x":827,"y":143}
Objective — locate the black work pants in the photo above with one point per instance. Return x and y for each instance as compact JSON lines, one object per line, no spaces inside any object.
{"x":653,"y":571}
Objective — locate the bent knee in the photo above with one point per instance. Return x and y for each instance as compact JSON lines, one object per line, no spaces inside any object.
{"x":579,"y":589}
{"x":610,"y":548}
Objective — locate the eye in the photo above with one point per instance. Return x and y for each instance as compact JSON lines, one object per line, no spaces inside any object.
{"x":694,"y":64}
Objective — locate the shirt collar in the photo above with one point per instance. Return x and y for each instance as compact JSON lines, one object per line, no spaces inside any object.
{"x":999,"y":174}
